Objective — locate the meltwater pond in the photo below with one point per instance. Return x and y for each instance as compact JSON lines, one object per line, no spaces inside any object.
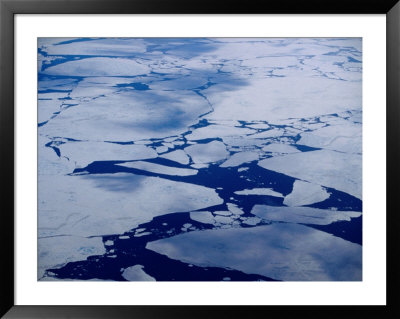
{"x":200,"y":159}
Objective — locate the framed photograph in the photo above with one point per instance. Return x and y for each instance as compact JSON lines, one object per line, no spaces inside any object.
{"x":173,"y":159}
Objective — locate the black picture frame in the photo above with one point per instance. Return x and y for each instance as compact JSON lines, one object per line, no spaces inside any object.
{"x":8,"y":8}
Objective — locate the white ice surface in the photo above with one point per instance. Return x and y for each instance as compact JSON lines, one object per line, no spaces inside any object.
{"x":98,"y":67}
{"x":259,"y":191}
{"x":304,"y":215}
{"x":160,"y":169}
{"x":280,"y":251}
{"x":305,"y":193}
{"x":54,"y":252}
{"x":84,"y":153}
{"x":178,"y":156}
{"x":207,"y":153}
{"x":344,"y":138}
{"x":240,"y":158}
{"x":204,"y":217}
{"x":234,"y":209}
{"x":213,"y":131}
{"x":112,"y":203}
{"x":282,"y":98}
{"x":280,"y":148}
{"x":327,"y":168}
{"x":136,"y":273}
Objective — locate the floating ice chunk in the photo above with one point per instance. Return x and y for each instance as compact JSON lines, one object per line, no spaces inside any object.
{"x":304,"y":215}
{"x":223,"y":213}
{"x":98,"y":67}
{"x":240,"y":158}
{"x":160,"y":169}
{"x":103,"y":204}
{"x":223,"y":219}
{"x":207,"y":153}
{"x":162,"y":149}
{"x":142,"y":234}
{"x":343,"y":138}
{"x":245,"y":141}
{"x":242,"y":169}
{"x":109,"y":243}
{"x":123,"y":237}
{"x":234,"y":209}
{"x":305,"y":193}
{"x":259,"y":191}
{"x":213,"y":131}
{"x":84,"y":153}
{"x":54,"y":252}
{"x":199,"y":166}
{"x":136,"y":273}
{"x":280,"y":148}
{"x":204,"y":217}
{"x":178,"y":156}
{"x":288,"y":252}
{"x":328,"y":168}
{"x":252,"y":221}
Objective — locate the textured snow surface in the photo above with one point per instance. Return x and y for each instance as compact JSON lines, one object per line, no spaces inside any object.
{"x":282,"y":251}
{"x":207,"y":153}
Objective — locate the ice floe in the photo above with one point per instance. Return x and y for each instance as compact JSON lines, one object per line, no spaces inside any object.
{"x":136,"y":273}
{"x":207,"y":153}
{"x":305,"y":193}
{"x":102,"y":204}
{"x":178,"y":156}
{"x":327,"y":168}
{"x":160,"y":169}
{"x":304,"y":215}
{"x":54,"y":252}
{"x":259,"y":191}
{"x":240,"y":158}
{"x":280,"y":251}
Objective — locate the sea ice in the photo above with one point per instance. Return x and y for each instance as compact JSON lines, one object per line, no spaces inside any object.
{"x":136,"y":273}
{"x":207,"y":153}
{"x":204,"y":217}
{"x":240,"y":158}
{"x":178,"y":156}
{"x":304,"y":215}
{"x":259,"y":191}
{"x":287,"y":252}
{"x":305,"y":193}
{"x":328,"y":168}
{"x":160,"y":169}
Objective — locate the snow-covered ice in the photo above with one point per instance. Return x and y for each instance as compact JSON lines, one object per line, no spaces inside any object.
{"x":305,"y":193}
{"x":136,"y":273}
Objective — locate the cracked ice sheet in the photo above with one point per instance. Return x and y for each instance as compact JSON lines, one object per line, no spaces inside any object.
{"x":54,"y":252}
{"x":343,"y":137}
{"x":128,"y":116}
{"x":213,"y":131}
{"x":178,"y":156}
{"x":207,"y":153}
{"x":305,"y":193}
{"x":304,"y":215}
{"x":240,"y":158}
{"x":102,"y":204}
{"x":327,"y":168}
{"x":136,"y":273}
{"x":160,"y":169}
{"x":287,"y":252}
{"x":282,"y":98}
{"x":84,"y":153}
{"x":99,"y":47}
{"x":280,"y":148}
{"x":259,"y":191}
{"x":98,"y":66}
